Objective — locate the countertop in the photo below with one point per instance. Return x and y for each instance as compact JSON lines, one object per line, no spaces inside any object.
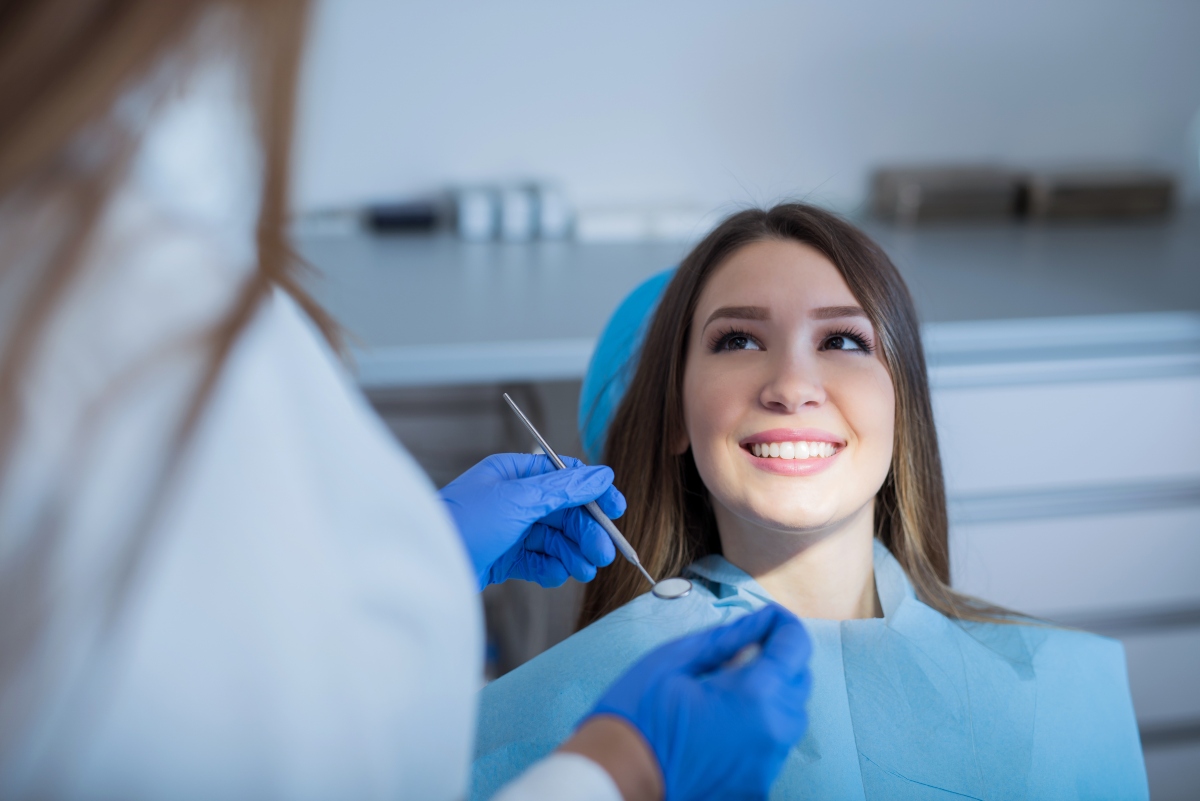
{"x":433,"y":309}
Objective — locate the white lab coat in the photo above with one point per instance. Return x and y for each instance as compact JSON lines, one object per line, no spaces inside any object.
{"x":303,"y":622}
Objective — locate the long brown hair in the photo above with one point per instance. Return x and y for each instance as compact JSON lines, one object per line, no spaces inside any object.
{"x":65,"y":66}
{"x":670,"y":520}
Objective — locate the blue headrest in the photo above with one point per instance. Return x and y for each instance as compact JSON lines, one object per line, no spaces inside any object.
{"x":614,"y":361}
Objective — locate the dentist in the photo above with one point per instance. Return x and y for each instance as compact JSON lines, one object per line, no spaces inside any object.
{"x":220,"y":576}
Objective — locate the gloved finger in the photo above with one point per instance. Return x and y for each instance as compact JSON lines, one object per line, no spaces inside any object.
{"x":555,"y":544}
{"x":724,"y":642}
{"x":788,"y":646}
{"x":782,"y":673}
{"x":538,"y":496}
{"x":536,"y":464}
{"x":705,"y":651}
{"x":549,"y":541}
{"x":508,"y":466}
{"x":763,"y":679}
{"x":594,"y":542}
{"x":541,"y":569}
{"x":612,"y":502}
{"x":572,"y":462}
{"x":679,"y":654}
{"x":670,"y":657}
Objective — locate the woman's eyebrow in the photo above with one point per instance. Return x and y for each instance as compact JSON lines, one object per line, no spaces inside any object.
{"x":834,"y":312}
{"x":739,"y":313}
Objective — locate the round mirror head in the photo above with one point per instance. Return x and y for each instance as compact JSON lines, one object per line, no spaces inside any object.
{"x":672,"y":588}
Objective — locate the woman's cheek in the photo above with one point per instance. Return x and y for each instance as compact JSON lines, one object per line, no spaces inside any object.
{"x":871,"y":412}
{"x":705,"y":395}
{"x":711,"y":411}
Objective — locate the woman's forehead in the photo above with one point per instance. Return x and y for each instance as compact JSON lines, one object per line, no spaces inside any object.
{"x":775,"y":275}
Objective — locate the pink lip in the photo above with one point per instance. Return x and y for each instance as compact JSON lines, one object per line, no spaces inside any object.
{"x":792,"y":467}
{"x":794,"y":435}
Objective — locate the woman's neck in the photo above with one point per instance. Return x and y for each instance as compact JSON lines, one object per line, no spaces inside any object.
{"x":827,"y":574}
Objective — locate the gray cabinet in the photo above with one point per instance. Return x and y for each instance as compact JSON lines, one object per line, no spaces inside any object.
{"x":1072,"y":461}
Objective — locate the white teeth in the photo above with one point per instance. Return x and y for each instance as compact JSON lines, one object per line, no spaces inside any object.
{"x":793,"y":450}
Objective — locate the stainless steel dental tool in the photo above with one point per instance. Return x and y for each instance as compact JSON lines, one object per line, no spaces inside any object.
{"x":671,"y":588}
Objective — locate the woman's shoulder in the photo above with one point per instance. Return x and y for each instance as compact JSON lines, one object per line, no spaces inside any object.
{"x":1047,"y":648}
{"x":1083,"y":726}
{"x":1076,"y":675}
{"x":1082,"y":707}
{"x":1083,"y":673}
{"x":1044,"y":706}
{"x":1017,"y":649}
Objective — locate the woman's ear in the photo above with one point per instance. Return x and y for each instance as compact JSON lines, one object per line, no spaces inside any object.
{"x":681,"y":445}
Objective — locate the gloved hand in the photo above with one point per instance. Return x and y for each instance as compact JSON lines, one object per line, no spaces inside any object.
{"x":522,"y":518}
{"x":720,"y":730}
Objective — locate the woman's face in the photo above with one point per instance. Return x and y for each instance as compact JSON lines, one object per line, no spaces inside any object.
{"x":788,"y":405}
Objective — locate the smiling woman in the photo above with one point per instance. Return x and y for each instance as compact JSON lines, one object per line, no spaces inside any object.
{"x":836,"y":348}
{"x":776,"y":444}
{"x":789,"y":385}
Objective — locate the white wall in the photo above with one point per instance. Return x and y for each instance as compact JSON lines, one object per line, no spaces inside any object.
{"x":705,"y":102}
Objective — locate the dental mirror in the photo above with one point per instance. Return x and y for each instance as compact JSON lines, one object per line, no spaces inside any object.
{"x":672,"y":588}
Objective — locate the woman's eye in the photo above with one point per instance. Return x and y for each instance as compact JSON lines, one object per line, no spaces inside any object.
{"x":841,"y":343}
{"x":845,"y":342}
{"x":737,"y":342}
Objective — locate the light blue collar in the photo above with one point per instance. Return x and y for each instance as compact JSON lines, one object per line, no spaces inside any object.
{"x":727,"y":581}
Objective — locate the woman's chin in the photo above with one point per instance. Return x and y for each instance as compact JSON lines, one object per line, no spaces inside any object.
{"x":799,"y":519}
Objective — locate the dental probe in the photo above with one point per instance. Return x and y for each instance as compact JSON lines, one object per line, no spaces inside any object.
{"x":618,"y":539}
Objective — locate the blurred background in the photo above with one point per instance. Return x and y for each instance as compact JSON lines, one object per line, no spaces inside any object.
{"x":1032,"y":167}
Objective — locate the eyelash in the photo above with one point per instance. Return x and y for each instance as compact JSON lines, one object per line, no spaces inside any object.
{"x":859,"y":338}
{"x":722,"y":338}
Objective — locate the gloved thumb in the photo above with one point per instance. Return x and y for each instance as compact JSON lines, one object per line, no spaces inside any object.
{"x":787,"y":646}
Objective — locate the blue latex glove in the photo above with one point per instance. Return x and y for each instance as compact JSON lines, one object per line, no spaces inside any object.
{"x":720,"y":730}
{"x":520,"y":517}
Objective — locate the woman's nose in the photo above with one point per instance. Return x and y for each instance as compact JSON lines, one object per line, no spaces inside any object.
{"x":794,"y":382}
